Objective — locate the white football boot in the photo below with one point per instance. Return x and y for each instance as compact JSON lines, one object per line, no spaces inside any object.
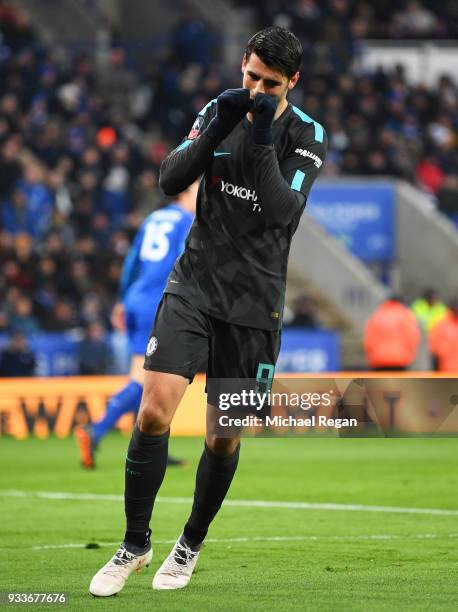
{"x":177,"y":569}
{"x":112,"y":577}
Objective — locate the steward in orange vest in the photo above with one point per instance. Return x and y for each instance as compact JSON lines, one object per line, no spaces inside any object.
{"x":391,"y":336}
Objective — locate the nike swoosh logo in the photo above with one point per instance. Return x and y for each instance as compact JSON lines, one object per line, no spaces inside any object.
{"x":219,"y":153}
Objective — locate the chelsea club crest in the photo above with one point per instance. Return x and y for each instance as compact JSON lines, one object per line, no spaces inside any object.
{"x":152,"y":346}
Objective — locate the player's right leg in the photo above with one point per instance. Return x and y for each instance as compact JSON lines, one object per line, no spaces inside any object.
{"x":173,"y":355}
{"x":146,"y":463}
{"x":216,"y":469}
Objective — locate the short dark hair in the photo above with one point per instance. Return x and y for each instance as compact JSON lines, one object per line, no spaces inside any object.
{"x":278,"y":48}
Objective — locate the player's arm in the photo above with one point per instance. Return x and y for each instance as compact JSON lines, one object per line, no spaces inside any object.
{"x":131,"y":264}
{"x":282,"y":188}
{"x":128,"y":275}
{"x":192,"y":157}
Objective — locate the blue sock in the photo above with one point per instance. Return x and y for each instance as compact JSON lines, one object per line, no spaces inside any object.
{"x":126,"y":400}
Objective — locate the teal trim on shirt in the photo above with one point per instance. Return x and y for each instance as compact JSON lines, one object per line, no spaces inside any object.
{"x":319,"y":131}
{"x":297,"y":181}
{"x":202,"y":112}
{"x":183,"y":145}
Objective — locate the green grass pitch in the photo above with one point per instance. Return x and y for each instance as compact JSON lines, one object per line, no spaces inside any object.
{"x":259,"y":557}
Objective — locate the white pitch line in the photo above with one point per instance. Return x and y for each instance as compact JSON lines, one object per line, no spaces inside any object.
{"x":238,"y":503}
{"x":311,"y":538}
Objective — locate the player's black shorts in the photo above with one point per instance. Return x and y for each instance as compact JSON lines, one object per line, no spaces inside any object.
{"x":185,"y":339}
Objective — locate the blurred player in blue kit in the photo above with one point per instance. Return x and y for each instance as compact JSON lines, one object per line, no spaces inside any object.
{"x":157,"y":245}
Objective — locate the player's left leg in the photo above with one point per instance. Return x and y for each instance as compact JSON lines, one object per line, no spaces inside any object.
{"x":216,"y":469}
{"x":238,"y":354}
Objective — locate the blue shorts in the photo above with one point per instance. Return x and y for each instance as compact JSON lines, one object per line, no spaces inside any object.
{"x":139,"y":323}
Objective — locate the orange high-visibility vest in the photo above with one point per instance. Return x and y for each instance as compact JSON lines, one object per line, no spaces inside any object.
{"x":391,"y":336}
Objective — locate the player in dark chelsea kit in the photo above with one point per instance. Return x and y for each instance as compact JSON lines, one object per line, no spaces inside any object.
{"x":258,"y":156}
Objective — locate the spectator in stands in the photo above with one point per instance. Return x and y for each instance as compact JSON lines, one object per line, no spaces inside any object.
{"x":16,"y":216}
{"x":429,"y":174}
{"x":22,"y":318}
{"x":443,"y":341}
{"x":115,"y":194}
{"x":391,"y":336}
{"x":64,"y":316}
{"x":94,"y":352}
{"x":17,"y":359}
{"x":39,"y":197}
{"x":429,"y":309}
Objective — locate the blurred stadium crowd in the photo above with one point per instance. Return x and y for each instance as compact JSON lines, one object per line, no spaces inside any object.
{"x":81,"y":144}
{"x":376,"y":123}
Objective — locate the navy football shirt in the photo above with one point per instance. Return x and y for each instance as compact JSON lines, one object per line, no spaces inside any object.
{"x":250,"y":201}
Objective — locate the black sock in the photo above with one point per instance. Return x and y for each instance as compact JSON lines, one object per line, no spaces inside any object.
{"x":146,"y":463}
{"x":137,"y":541}
{"x":213,"y":479}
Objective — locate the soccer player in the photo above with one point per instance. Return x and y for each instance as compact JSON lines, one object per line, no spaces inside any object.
{"x":158,"y":243}
{"x":259,"y":156}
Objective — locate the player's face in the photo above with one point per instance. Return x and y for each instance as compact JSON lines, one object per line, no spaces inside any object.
{"x":259,"y":78}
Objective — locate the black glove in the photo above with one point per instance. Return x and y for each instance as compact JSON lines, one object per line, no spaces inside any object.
{"x":264,"y":108}
{"x":231,"y":106}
